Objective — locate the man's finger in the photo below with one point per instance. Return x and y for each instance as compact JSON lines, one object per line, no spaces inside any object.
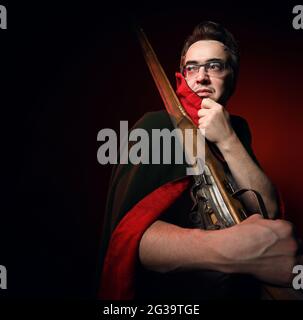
{"x":208,"y":103}
{"x":203,"y":112}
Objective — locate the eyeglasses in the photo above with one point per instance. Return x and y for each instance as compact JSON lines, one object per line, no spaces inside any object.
{"x":212,"y":68}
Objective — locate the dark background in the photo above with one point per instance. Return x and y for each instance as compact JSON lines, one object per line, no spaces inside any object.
{"x":68,"y":71}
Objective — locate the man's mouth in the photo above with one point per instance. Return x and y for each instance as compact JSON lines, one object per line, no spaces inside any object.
{"x":204,"y":92}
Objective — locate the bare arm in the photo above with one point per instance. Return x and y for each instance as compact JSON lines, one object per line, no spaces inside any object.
{"x":215,"y":120}
{"x":260,"y":247}
{"x":166,"y":247}
{"x":248,"y":174}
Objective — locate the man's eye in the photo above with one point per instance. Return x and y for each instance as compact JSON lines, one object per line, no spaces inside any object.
{"x":215,"y":66}
{"x":190,"y":68}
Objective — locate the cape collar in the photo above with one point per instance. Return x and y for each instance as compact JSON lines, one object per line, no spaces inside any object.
{"x":188,"y":98}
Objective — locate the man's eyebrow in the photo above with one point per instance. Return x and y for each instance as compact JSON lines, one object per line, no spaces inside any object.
{"x":208,"y":60}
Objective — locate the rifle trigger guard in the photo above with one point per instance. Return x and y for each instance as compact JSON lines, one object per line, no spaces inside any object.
{"x":258,"y":197}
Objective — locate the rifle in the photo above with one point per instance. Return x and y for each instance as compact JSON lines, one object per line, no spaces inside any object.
{"x":213,"y":192}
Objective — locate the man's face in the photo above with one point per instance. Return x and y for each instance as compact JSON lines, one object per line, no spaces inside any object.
{"x":207,"y":84}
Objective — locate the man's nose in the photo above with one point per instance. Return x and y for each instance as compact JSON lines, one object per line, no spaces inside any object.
{"x":202,"y":75}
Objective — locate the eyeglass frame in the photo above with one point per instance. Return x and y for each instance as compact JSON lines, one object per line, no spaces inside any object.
{"x":225,"y":64}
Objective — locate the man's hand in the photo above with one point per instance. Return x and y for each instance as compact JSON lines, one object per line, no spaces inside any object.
{"x":263,"y":248}
{"x":215,"y":120}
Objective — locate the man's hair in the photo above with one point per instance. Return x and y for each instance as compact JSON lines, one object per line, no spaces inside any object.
{"x":208,"y":30}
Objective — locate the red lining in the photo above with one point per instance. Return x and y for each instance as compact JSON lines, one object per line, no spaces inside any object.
{"x":188,"y":98}
{"x":117,"y":281}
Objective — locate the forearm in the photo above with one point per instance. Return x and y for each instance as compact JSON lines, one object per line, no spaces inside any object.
{"x":248,"y":174}
{"x":166,"y":247}
{"x":260,"y":247}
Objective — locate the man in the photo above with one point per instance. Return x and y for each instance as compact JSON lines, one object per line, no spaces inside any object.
{"x":150,"y":247}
